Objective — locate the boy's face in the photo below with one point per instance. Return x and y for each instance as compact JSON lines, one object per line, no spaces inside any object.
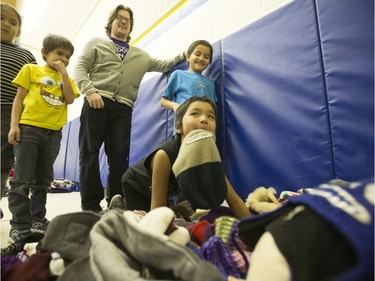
{"x":200,"y":115}
{"x":58,"y":54}
{"x":199,"y":59}
{"x":10,"y":25}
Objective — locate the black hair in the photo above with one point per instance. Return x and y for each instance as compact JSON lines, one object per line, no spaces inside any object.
{"x":112,"y":16}
{"x":182,"y":109}
{"x":53,"y":41}
{"x":193,"y":45}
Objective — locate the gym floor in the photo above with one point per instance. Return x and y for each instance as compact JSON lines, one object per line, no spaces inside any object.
{"x":57,"y":204}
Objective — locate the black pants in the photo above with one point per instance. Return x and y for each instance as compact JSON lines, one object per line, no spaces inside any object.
{"x":110,"y":126}
{"x":136,"y":186}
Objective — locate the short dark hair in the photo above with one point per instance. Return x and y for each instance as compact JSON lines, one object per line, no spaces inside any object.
{"x":193,"y":45}
{"x":182,"y":109}
{"x":53,"y":41}
{"x":112,"y":16}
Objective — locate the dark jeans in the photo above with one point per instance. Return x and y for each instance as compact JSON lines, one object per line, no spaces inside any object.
{"x":111,"y":126}
{"x":33,"y":174}
{"x":7,"y":156}
{"x":137,"y":188}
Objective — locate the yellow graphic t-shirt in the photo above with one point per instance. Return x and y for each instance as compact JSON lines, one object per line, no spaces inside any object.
{"x":44,"y":104}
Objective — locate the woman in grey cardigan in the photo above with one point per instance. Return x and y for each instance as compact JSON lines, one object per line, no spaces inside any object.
{"x":109,"y":72}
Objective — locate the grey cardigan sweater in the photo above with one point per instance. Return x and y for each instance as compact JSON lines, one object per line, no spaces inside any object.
{"x":100,"y":69}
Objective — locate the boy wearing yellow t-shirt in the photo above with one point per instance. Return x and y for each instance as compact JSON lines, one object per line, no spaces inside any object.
{"x":38,"y":114}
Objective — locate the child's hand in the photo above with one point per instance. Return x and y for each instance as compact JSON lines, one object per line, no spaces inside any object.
{"x":140,"y":213}
{"x":60,"y":66}
{"x":14,"y":135}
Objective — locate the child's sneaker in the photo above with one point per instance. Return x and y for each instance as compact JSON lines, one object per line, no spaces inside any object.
{"x":40,"y":225}
{"x":13,"y":249}
{"x":19,"y":235}
{"x":117,"y":202}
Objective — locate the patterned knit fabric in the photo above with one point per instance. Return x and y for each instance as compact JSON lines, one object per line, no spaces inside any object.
{"x":224,"y":248}
{"x":215,"y":251}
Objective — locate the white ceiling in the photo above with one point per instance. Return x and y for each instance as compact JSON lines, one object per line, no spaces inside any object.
{"x":80,"y":20}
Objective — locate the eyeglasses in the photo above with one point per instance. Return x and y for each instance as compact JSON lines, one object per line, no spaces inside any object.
{"x":121,"y":18}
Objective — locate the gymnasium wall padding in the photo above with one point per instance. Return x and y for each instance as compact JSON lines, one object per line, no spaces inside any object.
{"x":296,"y":100}
{"x":347,"y":36}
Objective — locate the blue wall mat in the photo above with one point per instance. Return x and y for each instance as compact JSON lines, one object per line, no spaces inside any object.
{"x":296,"y":99}
{"x":215,"y":72}
{"x":60,"y":162}
{"x":149,"y":121}
{"x":276,"y":120}
{"x":72,"y":160}
{"x":347,"y":40}
{"x":299,"y":101}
